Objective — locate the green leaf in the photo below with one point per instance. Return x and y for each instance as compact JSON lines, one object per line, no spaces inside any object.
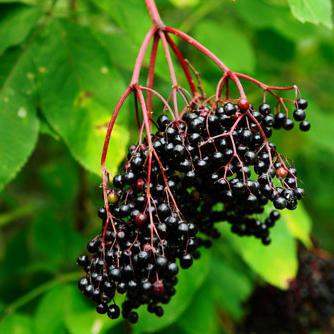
{"x":299,"y":224}
{"x":89,"y":322}
{"x":201,"y":316}
{"x":231,"y":289}
{"x":124,"y":13}
{"x":79,"y":89}
{"x":277,"y":263}
{"x":184,"y":3}
{"x":16,"y":324}
{"x":57,"y":304}
{"x":16,"y":22}
{"x":269,"y":15}
{"x":322,"y":128}
{"x":219,"y":38}
{"x":188,"y":283}
{"x":19,"y":124}
{"x":314,"y":11}
{"x":57,"y":229}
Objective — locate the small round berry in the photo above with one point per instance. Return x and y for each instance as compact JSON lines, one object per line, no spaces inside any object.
{"x":265,"y":109}
{"x":163,"y":121}
{"x":275,"y":215}
{"x":113,"y":311}
{"x":229,"y":109}
{"x":158,"y":288}
{"x":133,"y":317}
{"x":102,"y":308}
{"x":243,"y":104}
{"x":266,"y":241}
{"x":280,"y":203}
{"x":304,"y":126}
{"x":113,"y":197}
{"x":186,"y":261}
{"x":288,"y":124}
{"x":299,"y":115}
{"x":139,"y":185}
{"x":302,"y":103}
{"x":159,"y":311}
{"x":102,"y":213}
{"x":281,"y":172}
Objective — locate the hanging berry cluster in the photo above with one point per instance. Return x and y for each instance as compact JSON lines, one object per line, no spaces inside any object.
{"x":200,"y":161}
{"x":307,"y":306}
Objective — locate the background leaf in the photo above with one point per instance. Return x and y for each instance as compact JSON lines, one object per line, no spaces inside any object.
{"x":315,"y":11}
{"x":219,"y":38}
{"x":276,"y":264}
{"x":16,"y":22}
{"x":17,"y":111}
{"x":87,"y":89}
{"x":17,"y":324}
{"x":299,"y":224}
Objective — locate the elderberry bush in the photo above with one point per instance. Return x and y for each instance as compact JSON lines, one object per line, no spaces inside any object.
{"x":308,"y":304}
{"x":214,"y":164}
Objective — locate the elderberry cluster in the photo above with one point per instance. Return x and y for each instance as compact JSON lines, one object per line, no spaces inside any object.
{"x":212,"y":164}
{"x":307,"y":306}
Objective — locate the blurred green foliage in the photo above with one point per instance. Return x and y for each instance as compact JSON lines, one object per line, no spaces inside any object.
{"x":63,"y":65}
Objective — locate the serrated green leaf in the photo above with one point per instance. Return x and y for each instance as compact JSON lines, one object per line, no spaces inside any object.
{"x":19,"y":124}
{"x":16,"y":324}
{"x":277,"y":263}
{"x":314,"y":11}
{"x":188,"y":283}
{"x":219,"y":38}
{"x":16,"y":22}
{"x":299,"y":224}
{"x":79,"y":89}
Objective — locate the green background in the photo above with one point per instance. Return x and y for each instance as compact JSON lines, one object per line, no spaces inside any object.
{"x":63,"y":65}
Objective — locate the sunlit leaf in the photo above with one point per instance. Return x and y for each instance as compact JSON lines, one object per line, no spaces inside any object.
{"x":79,"y":89}
{"x":314,"y":11}
{"x":299,"y":224}
{"x":276,"y":264}
{"x":16,"y":324}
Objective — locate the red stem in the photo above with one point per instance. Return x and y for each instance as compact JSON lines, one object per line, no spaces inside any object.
{"x":141,"y":55}
{"x":111,"y":125}
{"x":262,"y":85}
{"x":184,"y":65}
{"x":154,"y":13}
{"x":150,"y":81}
{"x":210,"y":55}
{"x":171,"y":71}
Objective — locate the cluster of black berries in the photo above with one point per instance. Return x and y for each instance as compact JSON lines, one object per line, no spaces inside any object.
{"x":307,"y":306}
{"x":212,"y":164}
